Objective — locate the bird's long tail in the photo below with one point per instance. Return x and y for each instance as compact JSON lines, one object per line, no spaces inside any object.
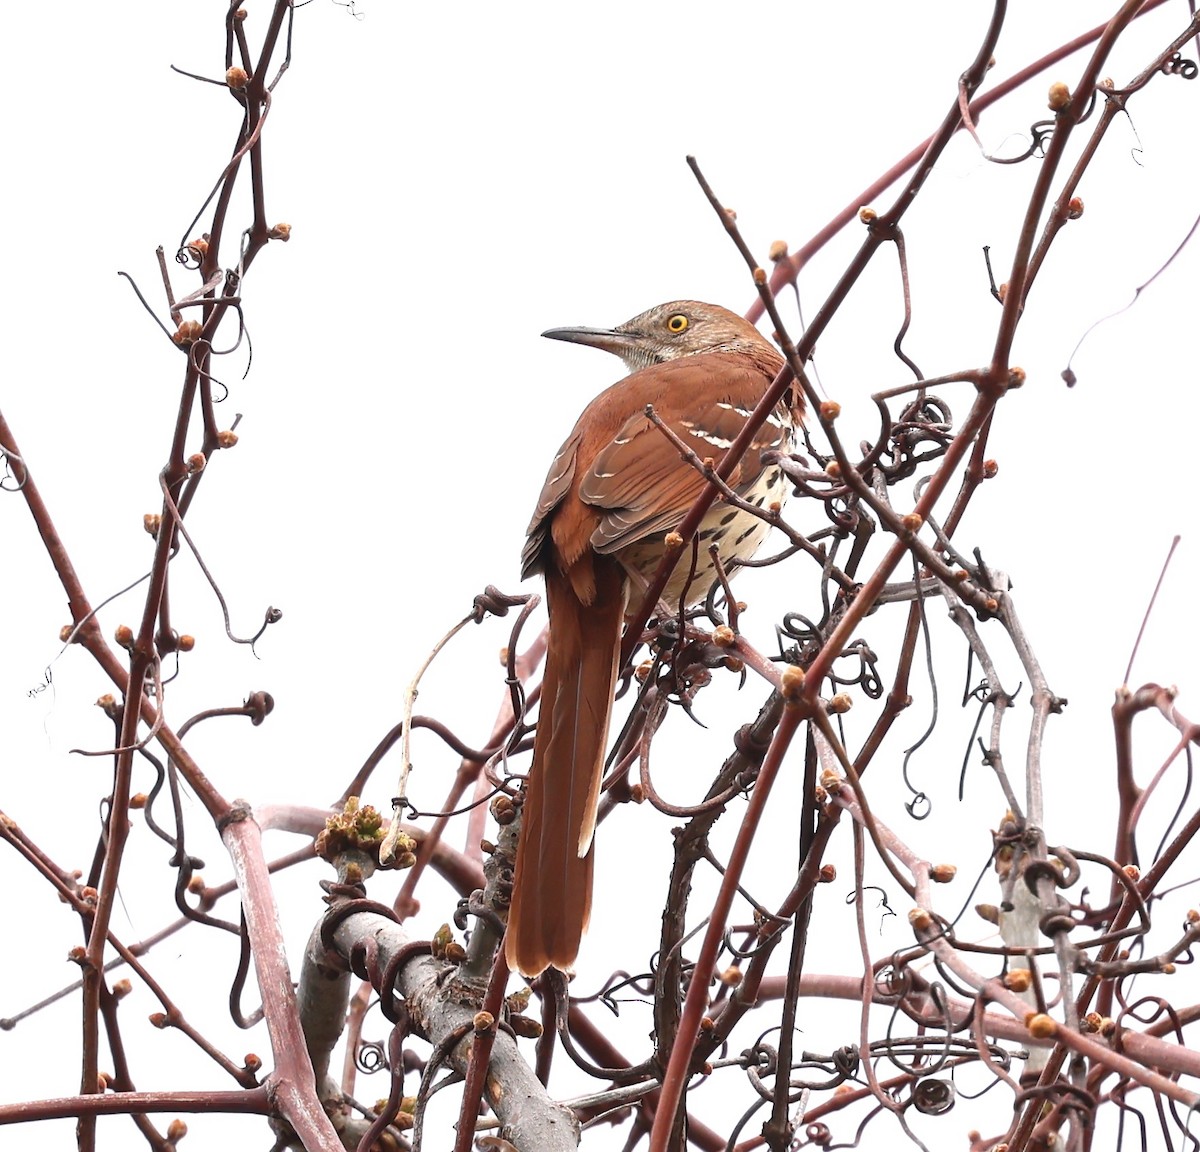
{"x":552,"y":887}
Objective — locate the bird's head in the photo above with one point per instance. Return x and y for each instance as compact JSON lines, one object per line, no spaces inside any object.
{"x":669,"y":332}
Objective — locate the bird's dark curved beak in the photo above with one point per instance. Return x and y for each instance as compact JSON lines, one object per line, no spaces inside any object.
{"x":607,"y":339}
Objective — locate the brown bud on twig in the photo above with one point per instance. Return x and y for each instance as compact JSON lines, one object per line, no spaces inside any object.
{"x":1074,"y":208}
{"x":760,"y":276}
{"x":185,"y":643}
{"x":176,"y":1130}
{"x":988,"y":912}
{"x":731,"y":977}
{"x":108,"y":703}
{"x":227,"y":438}
{"x":237,"y":78}
{"x":942,"y":873}
{"x":867,"y":215}
{"x":66,"y":632}
{"x":1041,"y":1026}
{"x":724,"y":636}
{"x":196,"y":462}
{"x":920,"y":920}
{"x":1018,"y":980}
{"x":358,"y":827}
{"x":827,"y":874}
{"x":152,"y":522}
{"x":839,"y":704}
{"x":441,"y":938}
{"x":122,"y":988}
{"x":778,"y":251}
{"x":124,"y":637}
{"x":1059,"y":96}
{"x":137,"y":801}
{"x":831,"y":782}
{"x":188,"y":332}
{"x":673,"y":540}
{"x":1016,"y":377}
{"x":791,"y":683}
{"x":484,"y":1021}
{"x":833,"y":468}
{"x":911,"y":522}
{"x":280,"y":232}
{"x":830,"y":410}
{"x":525,"y":1027}
{"x":990,"y":469}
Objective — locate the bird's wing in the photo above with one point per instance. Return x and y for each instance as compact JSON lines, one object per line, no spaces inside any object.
{"x":640,"y":482}
{"x":558,"y":483}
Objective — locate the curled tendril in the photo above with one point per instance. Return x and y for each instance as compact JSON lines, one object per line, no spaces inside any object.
{"x":491,"y":601}
{"x":818,"y":1134}
{"x":846,"y":1060}
{"x":799,"y":628}
{"x":867,"y":678}
{"x":834,"y":496}
{"x":933,"y":1097}
{"x":8,"y":481}
{"x":370,"y":1057}
{"x":1180,"y":65}
{"x":921,"y":434}
{"x":189,"y":257}
{"x":920,"y":806}
{"x":759,"y":945}
{"x":760,"y":1062}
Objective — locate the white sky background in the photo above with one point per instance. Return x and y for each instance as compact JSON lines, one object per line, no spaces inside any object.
{"x":458,"y":178}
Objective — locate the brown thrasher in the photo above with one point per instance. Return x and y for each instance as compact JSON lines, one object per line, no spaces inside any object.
{"x":615,"y":489}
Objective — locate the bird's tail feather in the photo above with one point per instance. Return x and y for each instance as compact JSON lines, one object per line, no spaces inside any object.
{"x":552,"y":887}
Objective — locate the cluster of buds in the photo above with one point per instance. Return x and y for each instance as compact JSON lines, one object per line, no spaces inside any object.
{"x":187,"y":333}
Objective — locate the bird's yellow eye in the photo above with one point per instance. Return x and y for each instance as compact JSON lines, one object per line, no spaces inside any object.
{"x":677,"y":323}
